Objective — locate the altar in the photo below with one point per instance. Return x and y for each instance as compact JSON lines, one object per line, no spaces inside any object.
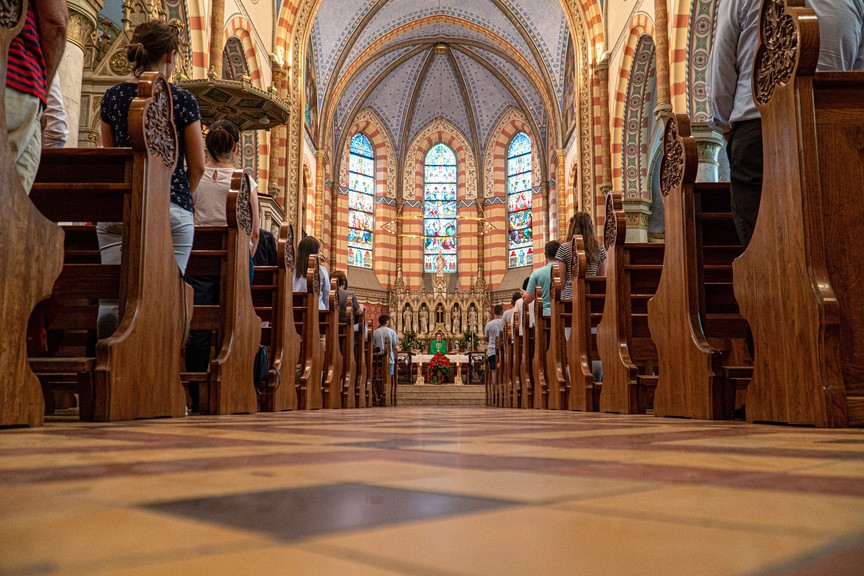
{"x":457,"y":316}
{"x":467,"y":368}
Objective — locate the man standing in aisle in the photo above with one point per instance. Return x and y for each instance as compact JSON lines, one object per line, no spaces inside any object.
{"x":730,"y":87}
{"x":34,"y":57}
{"x":493,"y":330}
{"x":383,"y":338}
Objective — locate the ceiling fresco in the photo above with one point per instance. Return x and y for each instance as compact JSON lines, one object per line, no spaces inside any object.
{"x":500,"y":54}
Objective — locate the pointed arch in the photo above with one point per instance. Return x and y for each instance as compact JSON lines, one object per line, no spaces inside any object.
{"x":641,"y":28}
{"x":369,"y":124}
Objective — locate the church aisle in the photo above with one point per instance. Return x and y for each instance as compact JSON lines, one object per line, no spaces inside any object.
{"x":430,"y":491}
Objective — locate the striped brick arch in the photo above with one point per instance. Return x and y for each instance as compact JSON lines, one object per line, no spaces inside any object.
{"x":293,"y":26}
{"x":637,"y":118}
{"x":440,"y":131}
{"x":634,"y":78}
{"x":512,"y":122}
{"x":384,"y":262}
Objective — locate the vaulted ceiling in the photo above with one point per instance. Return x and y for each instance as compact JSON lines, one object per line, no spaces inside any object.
{"x":467,"y":61}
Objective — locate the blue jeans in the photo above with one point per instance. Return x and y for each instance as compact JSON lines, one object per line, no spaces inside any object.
{"x":110,"y":235}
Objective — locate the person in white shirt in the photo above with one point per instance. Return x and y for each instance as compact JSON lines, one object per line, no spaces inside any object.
{"x":507,"y":317}
{"x":493,"y":330}
{"x":382,"y":338}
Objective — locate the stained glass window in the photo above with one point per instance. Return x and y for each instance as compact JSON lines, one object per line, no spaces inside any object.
{"x":439,"y":209}
{"x":361,"y":202}
{"x":519,"y":227}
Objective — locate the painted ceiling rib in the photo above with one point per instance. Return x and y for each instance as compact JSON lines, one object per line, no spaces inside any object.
{"x":523,"y":107}
{"x":412,"y":102}
{"x":469,"y":104}
{"x":369,"y":90}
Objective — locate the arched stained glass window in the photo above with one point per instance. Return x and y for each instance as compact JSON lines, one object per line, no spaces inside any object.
{"x":361,"y":202}
{"x":439,"y":209}
{"x":519,"y":231}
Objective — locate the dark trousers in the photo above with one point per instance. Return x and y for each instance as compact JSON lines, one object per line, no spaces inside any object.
{"x":198,"y":344}
{"x":745,"y":182}
{"x":745,"y":166}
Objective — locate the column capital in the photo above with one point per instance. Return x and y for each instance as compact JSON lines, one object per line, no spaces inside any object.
{"x":80,"y":27}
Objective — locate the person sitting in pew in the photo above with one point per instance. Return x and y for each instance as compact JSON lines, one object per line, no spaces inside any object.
{"x":307,"y":247}
{"x":210,"y":198}
{"x":223,"y":144}
{"x":581,"y":224}
{"x":265,"y":255}
{"x":153,"y":47}
{"x":507,"y":317}
{"x":518,"y":306}
{"x":344,"y":295}
{"x":730,"y":93}
{"x":543,"y":278}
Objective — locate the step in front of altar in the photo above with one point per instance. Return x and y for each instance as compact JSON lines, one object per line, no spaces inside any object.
{"x":441,"y":395}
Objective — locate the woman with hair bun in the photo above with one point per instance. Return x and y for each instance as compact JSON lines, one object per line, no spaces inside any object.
{"x":210,"y":197}
{"x":153,"y":48}
{"x":223,"y":143}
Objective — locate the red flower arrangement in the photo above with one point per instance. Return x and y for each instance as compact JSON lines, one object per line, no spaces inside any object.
{"x":439,"y":369}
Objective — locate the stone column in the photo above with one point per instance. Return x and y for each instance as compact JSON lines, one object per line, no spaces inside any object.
{"x":82,"y":24}
{"x":637,"y":210}
{"x":320,"y":160}
{"x":661,"y":44}
{"x":709,"y":145}
{"x":601,"y":70}
{"x":563,"y":216}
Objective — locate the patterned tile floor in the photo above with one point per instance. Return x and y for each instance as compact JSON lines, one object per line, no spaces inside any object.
{"x":430,"y":492}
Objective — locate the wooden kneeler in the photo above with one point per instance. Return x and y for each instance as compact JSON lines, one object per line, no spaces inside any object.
{"x":31,"y":257}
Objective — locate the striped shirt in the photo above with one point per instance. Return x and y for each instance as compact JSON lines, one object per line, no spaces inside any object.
{"x":565,"y":255}
{"x":27,"y":72}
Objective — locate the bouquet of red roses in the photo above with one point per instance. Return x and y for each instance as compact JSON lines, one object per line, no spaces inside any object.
{"x":439,"y":369}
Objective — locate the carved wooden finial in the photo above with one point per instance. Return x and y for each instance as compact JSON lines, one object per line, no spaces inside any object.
{"x":244,"y":204}
{"x":777,"y":56}
{"x":10,"y":13}
{"x":672,"y":164}
{"x":159,"y":132}
{"x":610,"y":228}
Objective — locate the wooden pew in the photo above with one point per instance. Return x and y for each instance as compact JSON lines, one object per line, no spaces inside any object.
{"x":223,"y":252}
{"x":366,"y":391}
{"x":129,"y":186}
{"x":539,"y":368}
{"x":694,"y":316}
{"x":505,"y":365}
{"x":589,"y":295}
{"x":31,"y":258}
{"x":527,"y":376}
{"x":556,"y":360}
{"x":273,"y":284}
{"x":329,"y":324}
{"x":361,"y":373}
{"x":624,"y":341}
{"x":311,"y":361}
{"x":517,"y":369}
{"x":799,"y":281}
{"x":349,"y":361}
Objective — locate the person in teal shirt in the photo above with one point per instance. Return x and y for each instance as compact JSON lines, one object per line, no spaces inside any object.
{"x":439,"y":345}
{"x":543,"y":278}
